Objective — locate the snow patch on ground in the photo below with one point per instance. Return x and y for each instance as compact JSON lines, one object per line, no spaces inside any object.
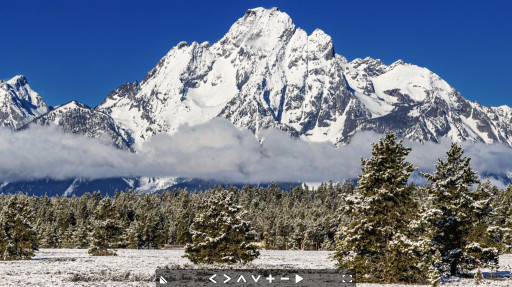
{"x":75,"y":267}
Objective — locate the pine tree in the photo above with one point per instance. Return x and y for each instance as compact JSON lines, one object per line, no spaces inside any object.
{"x":479,"y":277}
{"x":134,"y":234}
{"x":384,"y":241}
{"x":80,"y":238}
{"x":105,"y":229}
{"x":153,"y":230}
{"x":459,"y":215}
{"x":48,"y":237}
{"x":219,"y":233}
{"x":184,"y":217}
{"x":17,"y":237}
{"x":502,"y":202}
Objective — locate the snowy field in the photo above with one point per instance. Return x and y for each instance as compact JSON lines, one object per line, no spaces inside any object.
{"x":74,"y":267}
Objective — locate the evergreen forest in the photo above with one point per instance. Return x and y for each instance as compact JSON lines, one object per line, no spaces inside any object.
{"x":383,"y":227}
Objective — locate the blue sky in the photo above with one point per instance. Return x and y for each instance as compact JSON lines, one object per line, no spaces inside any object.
{"x":81,"y":50}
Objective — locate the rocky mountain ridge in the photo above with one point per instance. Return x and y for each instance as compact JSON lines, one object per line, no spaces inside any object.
{"x":267,"y":73}
{"x":19,"y":104}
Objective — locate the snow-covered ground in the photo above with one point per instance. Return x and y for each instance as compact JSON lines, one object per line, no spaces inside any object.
{"x":74,"y":267}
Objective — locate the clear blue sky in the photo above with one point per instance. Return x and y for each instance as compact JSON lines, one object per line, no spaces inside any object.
{"x":81,"y":50}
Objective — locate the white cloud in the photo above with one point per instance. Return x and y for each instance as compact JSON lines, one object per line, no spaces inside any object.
{"x":215,"y":150}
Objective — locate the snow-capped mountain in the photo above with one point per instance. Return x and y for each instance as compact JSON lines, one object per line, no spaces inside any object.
{"x":265,"y":72}
{"x":417,"y":104}
{"x":19,"y":104}
{"x":78,"y":118}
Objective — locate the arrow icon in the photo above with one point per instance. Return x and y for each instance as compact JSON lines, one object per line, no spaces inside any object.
{"x":241,"y":278}
{"x":227,"y":278}
{"x":298,"y":278}
{"x":211,"y":278}
{"x":256,"y":278}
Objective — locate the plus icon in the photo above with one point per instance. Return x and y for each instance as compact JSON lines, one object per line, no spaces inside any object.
{"x":270,"y":278}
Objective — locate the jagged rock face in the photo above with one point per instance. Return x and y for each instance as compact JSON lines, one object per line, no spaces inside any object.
{"x":78,"y":118}
{"x":19,"y":104}
{"x":128,"y":90}
{"x":417,"y":104}
{"x":265,"y":72}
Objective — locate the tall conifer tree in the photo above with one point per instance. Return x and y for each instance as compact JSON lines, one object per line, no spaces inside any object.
{"x":385,"y":240}
{"x":17,"y":237}
{"x":106,"y":229}
{"x":459,"y":215}
{"x":220,"y":234}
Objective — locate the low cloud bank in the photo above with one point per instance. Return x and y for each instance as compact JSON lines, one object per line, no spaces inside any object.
{"x":215,"y":150}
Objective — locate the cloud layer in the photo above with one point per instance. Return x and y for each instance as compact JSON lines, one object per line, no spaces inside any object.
{"x":215,"y":150}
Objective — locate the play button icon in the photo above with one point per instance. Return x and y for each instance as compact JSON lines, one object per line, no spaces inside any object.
{"x":298,"y":278}
{"x":255,"y":277}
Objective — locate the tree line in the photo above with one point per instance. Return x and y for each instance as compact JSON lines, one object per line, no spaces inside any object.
{"x":384,"y":229}
{"x":293,"y":219}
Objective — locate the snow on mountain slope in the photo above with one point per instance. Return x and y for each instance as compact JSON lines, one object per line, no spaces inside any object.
{"x":152,"y":184}
{"x":19,"y":104}
{"x":268,"y":73}
{"x":78,"y":118}
{"x":161,"y":99}
{"x":426,"y":108}
{"x":263,"y":73}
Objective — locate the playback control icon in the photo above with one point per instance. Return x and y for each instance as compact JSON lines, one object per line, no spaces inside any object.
{"x":254,"y":278}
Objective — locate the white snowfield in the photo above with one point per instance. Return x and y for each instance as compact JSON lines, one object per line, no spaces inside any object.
{"x":74,"y":267}
{"x":19,"y":104}
{"x":265,"y":72}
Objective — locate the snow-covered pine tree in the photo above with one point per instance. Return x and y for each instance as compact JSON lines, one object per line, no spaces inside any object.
{"x":502,"y":203}
{"x":48,"y":236}
{"x":17,"y":237}
{"x":459,"y":215}
{"x":479,"y":277}
{"x":134,"y":235}
{"x":220,"y":234}
{"x":151,"y":232}
{"x":64,"y":220}
{"x":105,"y":229}
{"x":384,"y":241}
{"x":80,"y":238}
{"x":184,"y":215}
{"x":170,"y":227}
{"x":485,"y":235}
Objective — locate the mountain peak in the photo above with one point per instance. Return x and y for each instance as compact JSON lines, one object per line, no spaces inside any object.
{"x":19,"y":104}
{"x":125,"y":90}
{"x":78,"y":118}
{"x":260,"y":15}
{"x":267,"y":73}
{"x":18,"y":80}
{"x":259,"y":28}
{"x":322,"y":42}
{"x":397,"y":63}
{"x":74,"y":104}
{"x":182,"y":44}
{"x":260,"y":10}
